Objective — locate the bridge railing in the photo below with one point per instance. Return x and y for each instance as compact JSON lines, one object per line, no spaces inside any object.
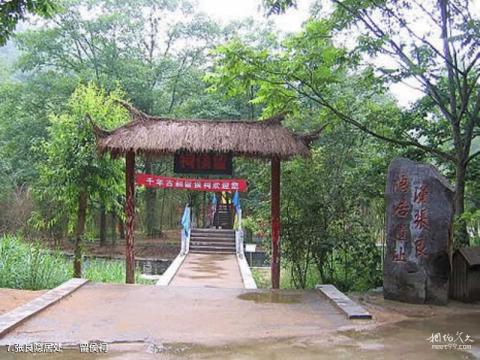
{"x":239,"y":235}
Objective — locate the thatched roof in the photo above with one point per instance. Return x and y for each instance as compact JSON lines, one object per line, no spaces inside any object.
{"x":156,"y":136}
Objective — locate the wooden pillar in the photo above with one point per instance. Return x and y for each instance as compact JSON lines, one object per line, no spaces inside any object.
{"x":275,"y":223}
{"x":130,"y":217}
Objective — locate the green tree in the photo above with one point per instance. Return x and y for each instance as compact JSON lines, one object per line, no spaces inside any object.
{"x":24,"y":109}
{"x":332,"y":210}
{"x":13,"y":11}
{"x":137,"y":44}
{"x":73,"y":176}
{"x":447,"y":73}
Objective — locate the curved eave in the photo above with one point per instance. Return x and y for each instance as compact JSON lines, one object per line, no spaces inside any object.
{"x":157,"y":137}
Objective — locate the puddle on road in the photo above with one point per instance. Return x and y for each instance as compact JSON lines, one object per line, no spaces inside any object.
{"x":271,"y":297}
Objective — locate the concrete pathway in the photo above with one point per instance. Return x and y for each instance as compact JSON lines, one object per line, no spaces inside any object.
{"x":209,"y":270}
{"x":117,"y":313}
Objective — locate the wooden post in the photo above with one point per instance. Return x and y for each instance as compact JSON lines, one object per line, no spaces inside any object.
{"x":130,"y":217}
{"x":275,"y":267}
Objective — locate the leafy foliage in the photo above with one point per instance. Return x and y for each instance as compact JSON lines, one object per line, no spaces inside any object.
{"x":13,"y":11}
{"x":72,"y":164}
{"x":330,"y":75}
{"x":443,"y":125}
{"x":278,"y":6}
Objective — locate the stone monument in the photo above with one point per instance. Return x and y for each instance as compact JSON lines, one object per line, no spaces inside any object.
{"x":420,"y":210}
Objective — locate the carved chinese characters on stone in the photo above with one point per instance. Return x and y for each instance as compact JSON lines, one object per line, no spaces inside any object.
{"x":401,"y":184}
{"x":401,"y":237}
{"x":420,"y":247}
{"x":421,"y":194}
{"x":419,"y":217}
{"x":401,"y":208}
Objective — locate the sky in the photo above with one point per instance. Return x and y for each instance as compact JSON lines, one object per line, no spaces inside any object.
{"x":228,"y":10}
{"x":224,"y":11}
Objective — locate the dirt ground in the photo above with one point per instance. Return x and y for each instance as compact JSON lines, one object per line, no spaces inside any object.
{"x":12,"y":298}
{"x":165,"y":247}
{"x":387,"y":311}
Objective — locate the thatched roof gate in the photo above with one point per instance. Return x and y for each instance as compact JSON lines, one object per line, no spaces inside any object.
{"x":156,"y":136}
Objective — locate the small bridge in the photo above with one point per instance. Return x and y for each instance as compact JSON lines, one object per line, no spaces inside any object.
{"x":210,"y":258}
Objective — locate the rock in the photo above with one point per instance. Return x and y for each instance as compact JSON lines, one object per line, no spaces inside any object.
{"x":420,"y":210}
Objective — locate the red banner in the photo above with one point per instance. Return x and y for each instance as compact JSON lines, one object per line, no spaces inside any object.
{"x":214,"y":185}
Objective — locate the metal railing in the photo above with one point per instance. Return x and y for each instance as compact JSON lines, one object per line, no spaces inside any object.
{"x":239,"y":235}
{"x":186,"y":231}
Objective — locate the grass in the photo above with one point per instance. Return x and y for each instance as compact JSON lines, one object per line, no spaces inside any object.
{"x":262,"y":277}
{"x":109,"y":271}
{"x":30,"y":267}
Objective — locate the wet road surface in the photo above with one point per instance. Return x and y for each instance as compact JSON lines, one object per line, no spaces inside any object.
{"x":209,"y":270}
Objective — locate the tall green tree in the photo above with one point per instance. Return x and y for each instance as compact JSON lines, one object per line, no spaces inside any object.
{"x":73,"y":176}
{"x":137,"y":44}
{"x":157,"y":57}
{"x":446,"y":71}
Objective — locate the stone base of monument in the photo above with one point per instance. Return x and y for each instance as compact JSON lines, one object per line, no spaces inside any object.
{"x":420,"y":210}
{"x":410,"y":282}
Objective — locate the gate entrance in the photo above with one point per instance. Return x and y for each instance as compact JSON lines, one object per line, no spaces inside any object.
{"x":156,"y":137}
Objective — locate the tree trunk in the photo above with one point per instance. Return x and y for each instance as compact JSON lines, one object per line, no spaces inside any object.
{"x":113,"y":227}
{"x":81,"y":218}
{"x":103,"y":225}
{"x":130,"y":216}
{"x":162,"y":212}
{"x":275,"y":218}
{"x":150,"y":209}
{"x":204,"y":209}
{"x":121,"y":228}
{"x":461,"y":233}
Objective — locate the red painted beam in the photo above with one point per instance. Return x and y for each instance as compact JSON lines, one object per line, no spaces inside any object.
{"x":130,"y":215}
{"x":275,"y":267}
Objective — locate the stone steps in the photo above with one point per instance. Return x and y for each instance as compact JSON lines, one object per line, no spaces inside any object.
{"x":212,"y":230}
{"x":212,"y":241}
{"x":216,"y":252}
{"x":209,"y":247}
{"x":213,"y":235}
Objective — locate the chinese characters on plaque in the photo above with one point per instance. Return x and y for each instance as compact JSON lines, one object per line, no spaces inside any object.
{"x":419,"y":219}
{"x":214,"y":185}
{"x":203,"y":163}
